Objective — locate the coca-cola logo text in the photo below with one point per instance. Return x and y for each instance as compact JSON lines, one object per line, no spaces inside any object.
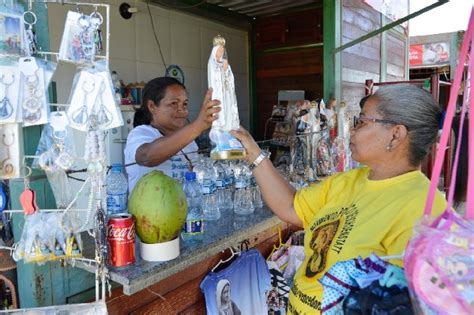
{"x":120,"y":233}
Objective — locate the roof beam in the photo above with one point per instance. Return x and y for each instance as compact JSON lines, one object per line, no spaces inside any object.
{"x":210,"y":11}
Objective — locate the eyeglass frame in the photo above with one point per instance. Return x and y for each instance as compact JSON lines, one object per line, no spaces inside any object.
{"x":357,"y":120}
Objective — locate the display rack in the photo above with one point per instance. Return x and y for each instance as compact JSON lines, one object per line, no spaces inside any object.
{"x":98,"y":263}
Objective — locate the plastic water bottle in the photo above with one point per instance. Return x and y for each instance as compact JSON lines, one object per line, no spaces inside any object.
{"x":243,"y":198}
{"x":256,"y":194}
{"x":117,"y":188}
{"x":193,"y":229}
{"x":222,"y":201}
{"x":209,"y":201}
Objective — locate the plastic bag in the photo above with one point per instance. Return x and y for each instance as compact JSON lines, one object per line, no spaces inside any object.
{"x":439,"y":259}
{"x":440,"y":266}
{"x":13,"y":41}
{"x":46,"y":237}
{"x":77,"y":43}
{"x":33,"y":93}
{"x":56,"y":149}
{"x":92,"y":101}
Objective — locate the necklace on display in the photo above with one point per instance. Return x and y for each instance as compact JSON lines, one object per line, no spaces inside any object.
{"x":80,"y":116}
{"x":6,"y":108}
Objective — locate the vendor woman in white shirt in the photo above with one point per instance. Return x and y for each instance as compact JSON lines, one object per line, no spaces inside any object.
{"x":161,"y":138}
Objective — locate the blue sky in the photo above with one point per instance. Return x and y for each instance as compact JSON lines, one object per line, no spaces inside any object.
{"x":450,"y":17}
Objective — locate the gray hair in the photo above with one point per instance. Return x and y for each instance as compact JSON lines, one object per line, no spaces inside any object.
{"x":417,"y":110}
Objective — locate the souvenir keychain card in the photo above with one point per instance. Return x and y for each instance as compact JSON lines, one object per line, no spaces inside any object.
{"x":77,"y":43}
{"x":85,"y":90}
{"x":9,"y":94}
{"x":9,"y":151}
{"x":33,"y":101}
{"x":12,"y":34}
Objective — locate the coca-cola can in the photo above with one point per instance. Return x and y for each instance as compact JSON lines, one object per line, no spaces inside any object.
{"x":121,"y":238}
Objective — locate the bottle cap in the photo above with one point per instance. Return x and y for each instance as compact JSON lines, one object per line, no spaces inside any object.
{"x":190,"y":176}
{"x":116,"y":168}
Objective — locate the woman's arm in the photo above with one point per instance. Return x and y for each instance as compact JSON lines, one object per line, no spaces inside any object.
{"x":160,"y":150}
{"x":276,"y":191}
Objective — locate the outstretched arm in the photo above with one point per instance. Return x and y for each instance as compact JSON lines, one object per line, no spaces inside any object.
{"x":160,"y":150}
{"x":276,"y":191}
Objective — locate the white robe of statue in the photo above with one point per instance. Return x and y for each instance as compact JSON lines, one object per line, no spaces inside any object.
{"x":221,"y":79}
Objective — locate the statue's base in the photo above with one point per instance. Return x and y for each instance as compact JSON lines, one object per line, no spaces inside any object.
{"x":232,"y":154}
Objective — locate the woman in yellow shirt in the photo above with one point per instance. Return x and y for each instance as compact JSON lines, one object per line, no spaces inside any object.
{"x":368,"y":210}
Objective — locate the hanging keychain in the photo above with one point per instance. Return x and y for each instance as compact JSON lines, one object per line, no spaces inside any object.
{"x":104,"y":117}
{"x":6,"y":108}
{"x":6,"y":166}
{"x":30,"y":33}
{"x":28,"y":196}
{"x":98,"y":41}
{"x":96,"y":21}
{"x":81,"y":115}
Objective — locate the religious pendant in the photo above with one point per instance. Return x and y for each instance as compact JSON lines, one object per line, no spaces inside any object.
{"x":31,"y":39}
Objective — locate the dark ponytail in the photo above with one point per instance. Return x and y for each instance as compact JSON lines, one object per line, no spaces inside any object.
{"x":154,"y":91}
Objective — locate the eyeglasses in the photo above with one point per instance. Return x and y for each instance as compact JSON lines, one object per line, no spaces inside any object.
{"x":357,"y":121}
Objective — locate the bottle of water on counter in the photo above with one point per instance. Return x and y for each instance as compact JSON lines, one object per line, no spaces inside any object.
{"x":222,"y":201}
{"x":243,"y":198}
{"x":209,"y":201}
{"x":117,"y":188}
{"x":256,"y":194}
{"x":193,"y":229}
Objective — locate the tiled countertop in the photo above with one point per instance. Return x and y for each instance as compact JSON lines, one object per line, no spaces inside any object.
{"x":229,"y":230}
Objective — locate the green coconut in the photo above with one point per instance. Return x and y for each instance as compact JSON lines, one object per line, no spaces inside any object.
{"x":158,"y":205}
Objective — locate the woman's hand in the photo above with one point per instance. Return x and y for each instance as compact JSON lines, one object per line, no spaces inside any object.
{"x":208,"y":113}
{"x":252,"y":148}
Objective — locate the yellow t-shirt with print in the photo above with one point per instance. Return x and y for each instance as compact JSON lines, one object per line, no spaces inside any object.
{"x":348,"y":215}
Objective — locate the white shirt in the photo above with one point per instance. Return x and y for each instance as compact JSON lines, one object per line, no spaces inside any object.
{"x":174,"y":167}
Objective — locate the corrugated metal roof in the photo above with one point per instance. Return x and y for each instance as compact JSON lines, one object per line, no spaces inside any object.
{"x":255,"y":8}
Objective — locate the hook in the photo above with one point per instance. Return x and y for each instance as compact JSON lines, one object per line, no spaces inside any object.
{"x":77,"y":8}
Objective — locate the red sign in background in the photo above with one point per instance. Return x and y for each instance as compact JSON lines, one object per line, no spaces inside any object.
{"x":416,"y":54}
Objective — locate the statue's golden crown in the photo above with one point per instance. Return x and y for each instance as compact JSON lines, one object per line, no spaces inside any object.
{"x":218,"y":41}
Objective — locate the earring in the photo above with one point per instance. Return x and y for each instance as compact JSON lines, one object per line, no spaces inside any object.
{"x":389,"y":148}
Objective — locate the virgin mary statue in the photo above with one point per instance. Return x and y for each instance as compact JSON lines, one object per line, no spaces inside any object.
{"x":221,"y":79}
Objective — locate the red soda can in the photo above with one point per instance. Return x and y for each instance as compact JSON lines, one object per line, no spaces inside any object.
{"x":121,"y":238}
